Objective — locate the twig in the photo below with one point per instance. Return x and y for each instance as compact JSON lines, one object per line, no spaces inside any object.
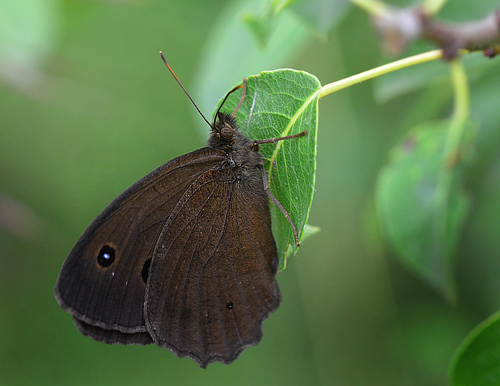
{"x":401,"y":26}
{"x":473,"y":35}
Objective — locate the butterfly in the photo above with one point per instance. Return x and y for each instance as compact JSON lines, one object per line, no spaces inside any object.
{"x":184,"y":258}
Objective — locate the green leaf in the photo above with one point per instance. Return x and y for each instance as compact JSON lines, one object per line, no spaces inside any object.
{"x":322,"y":15}
{"x":280,"y":103}
{"x":261,"y":24}
{"x":477,"y":359}
{"x":421,"y":205}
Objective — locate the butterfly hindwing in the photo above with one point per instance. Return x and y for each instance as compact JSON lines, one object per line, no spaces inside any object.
{"x":112,"y":336}
{"x":212,"y":279}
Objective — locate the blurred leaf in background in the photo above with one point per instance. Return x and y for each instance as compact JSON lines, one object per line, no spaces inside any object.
{"x":30,"y":31}
{"x":422,"y":205}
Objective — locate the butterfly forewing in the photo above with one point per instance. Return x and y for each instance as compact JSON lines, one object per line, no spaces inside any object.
{"x":110,"y":294}
{"x":212,"y":276}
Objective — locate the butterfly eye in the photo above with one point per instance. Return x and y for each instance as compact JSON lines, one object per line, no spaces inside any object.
{"x":106,"y":256}
{"x":226,"y":132}
{"x":230,"y":305}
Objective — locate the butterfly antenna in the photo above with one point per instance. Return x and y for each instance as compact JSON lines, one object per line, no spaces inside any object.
{"x":185,"y":91}
{"x":244,"y":87}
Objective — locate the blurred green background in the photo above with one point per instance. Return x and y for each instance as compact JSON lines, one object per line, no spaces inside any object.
{"x":87,"y":108}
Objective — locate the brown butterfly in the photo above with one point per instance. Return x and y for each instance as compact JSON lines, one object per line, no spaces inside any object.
{"x":185,"y":257}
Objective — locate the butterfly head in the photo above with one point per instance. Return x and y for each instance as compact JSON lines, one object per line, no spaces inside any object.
{"x":223,"y":131}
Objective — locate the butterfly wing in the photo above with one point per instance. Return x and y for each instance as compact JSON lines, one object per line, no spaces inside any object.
{"x":103,"y":280}
{"x":212,"y":279}
{"x":112,"y":336}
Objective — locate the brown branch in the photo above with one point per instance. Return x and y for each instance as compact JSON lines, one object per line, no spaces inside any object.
{"x":473,"y":35}
{"x":399,"y":27}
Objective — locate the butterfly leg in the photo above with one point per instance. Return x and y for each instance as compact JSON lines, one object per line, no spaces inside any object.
{"x":243,"y":94}
{"x":278,"y":204}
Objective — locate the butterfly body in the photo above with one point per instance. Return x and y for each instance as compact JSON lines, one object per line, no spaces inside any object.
{"x":184,"y":258}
